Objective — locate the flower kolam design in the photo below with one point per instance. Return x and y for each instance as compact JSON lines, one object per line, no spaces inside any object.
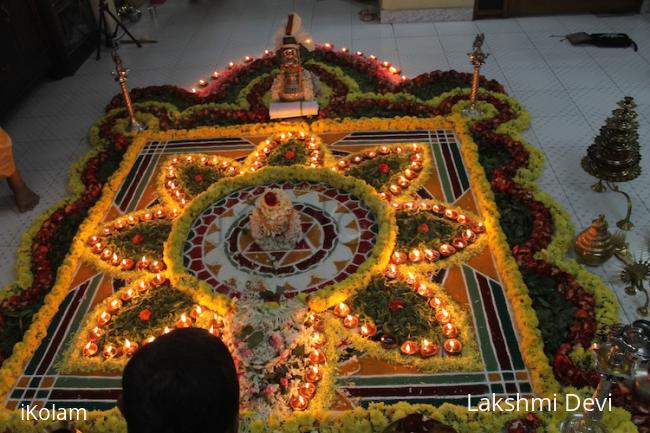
{"x":137,"y":314}
{"x":349,"y":235}
{"x":133,"y":242}
{"x":288,"y":149}
{"x":393,"y":170}
{"x":429,"y":232}
{"x":186,"y":176}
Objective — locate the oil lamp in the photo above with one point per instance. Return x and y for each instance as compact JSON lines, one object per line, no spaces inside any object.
{"x":462,"y":219}
{"x":351,"y":321}
{"x":449,"y":330}
{"x":436,"y":303}
{"x":431,"y":255}
{"x":409,"y":347}
{"x":410,"y":279}
{"x":158,"y":280}
{"x":299,"y":402}
{"x":368,"y":329}
{"x":148,"y":340}
{"x":307,"y":390}
{"x":114,"y":306}
{"x":127,"y":264}
{"x":183,"y":322}
{"x":196,"y":311}
{"x":92,"y":240}
{"x":95,"y":333}
{"x":110,"y":351}
{"x":98,"y":248}
{"x":127,"y":295}
{"x":452,"y":346}
{"x":129,"y":347}
{"x":446,"y":250}
{"x":458,"y":243}
{"x":115,"y":260}
{"x":443,"y":317}
{"x":317,"y":357}
{"x":143,"y":263}
{"x":428,"y":349}
{"x":103,"y":318}
{"x":107,"y":254}
{"x":391,"y":271}
{"x":469,"y":236}
{"x":415,"y":255}
{"x":342,"y":310}
{"x":313,"y":374}
{"x":90,"y":349}
{"x":424,"y":290}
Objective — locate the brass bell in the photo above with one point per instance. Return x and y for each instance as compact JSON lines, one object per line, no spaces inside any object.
{"x":594,"y":245}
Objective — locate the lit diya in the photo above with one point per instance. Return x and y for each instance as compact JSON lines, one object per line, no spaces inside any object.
{"x":307,"y":390}
{"x":368,"y":329}
{"x":428,"y":349}
{"x":452,"y":346}
{"x":313,"y":373}
{"x":409,"y":347}
{"x":342,"y":310}
{"x":317,"y":357}
{"x":299,"y":402}
{"x":449,"y":331}
{"x":90,"y":349}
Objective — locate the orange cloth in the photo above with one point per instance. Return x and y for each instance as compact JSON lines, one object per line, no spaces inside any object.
{"x":7,"y":165}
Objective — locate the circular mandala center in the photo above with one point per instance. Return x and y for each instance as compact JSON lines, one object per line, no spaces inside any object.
{"x":338,"y":233}
{"x":318,"y":239}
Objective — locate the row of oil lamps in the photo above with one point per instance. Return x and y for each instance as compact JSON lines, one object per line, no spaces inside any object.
{"x":127,"y":263}
{"x":128,"y":348}
{"x":395,"y":71}
{"x":229,"y":168}
{"x":417,"y":255}
{"x":315,"y":153}
{"x":426,"y":348}
{"x":300,"y":400}
{"x":404,"y":180}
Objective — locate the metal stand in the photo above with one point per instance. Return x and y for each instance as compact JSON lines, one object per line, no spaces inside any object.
{"x":602,"y":186}
{"x":589,"y":422}
{"x":102,"y":28}
{"x":120,"y":74}
{"x":477,"y":58}
{"x":623,"y":355}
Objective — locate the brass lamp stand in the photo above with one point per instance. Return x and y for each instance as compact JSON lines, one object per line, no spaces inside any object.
{"x":477,"y":58}
{"x":120,"y":74}
{"x":615,"y":154}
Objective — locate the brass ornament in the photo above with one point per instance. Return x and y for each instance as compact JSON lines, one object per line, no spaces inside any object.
{"x":615,"y":154}
{"x":120,"y":75}
{"x":477,"y":57}
{"x":594,"y":245}
{"x":633,"y":275}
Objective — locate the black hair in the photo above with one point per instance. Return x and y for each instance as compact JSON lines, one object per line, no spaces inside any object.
{"x":183,"y":382}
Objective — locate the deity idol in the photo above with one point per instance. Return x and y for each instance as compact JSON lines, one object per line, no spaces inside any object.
{"x":274,"y":223}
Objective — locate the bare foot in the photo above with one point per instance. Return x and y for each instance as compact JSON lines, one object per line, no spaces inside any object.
{"x":26,"y":199}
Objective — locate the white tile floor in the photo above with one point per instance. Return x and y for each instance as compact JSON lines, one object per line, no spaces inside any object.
{"x":569,"y":91}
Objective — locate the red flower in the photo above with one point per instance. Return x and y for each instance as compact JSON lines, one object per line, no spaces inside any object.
{"x":395,"y":305}
{"x":384,"y":168}
{"x":423,"y":228}
{"x":270,"y":198}
{"x":198,"y":178}
{"x":289,"y":154}
{"x":145,"y":315}
{"x":137,"y":239}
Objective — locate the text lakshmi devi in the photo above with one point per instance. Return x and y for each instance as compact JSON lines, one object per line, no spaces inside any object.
{"x":572,"y":403}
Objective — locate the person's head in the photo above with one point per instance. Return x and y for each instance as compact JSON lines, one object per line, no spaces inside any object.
{"x":183,"y":382}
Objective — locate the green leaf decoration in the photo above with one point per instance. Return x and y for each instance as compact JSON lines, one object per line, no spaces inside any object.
{"x":386,"y":167}
{"x":165,"y":304}
{"x":292,"y":152}
{"x":187,"y":176}
{"x":425,"y":229}
{"x":416,"y":320}
{"x":145,"y":238}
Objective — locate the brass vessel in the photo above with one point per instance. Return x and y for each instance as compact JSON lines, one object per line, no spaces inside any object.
{"x":594,"y":245}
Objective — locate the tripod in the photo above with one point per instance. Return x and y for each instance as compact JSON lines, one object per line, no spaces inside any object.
{"x":103,"y":29}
